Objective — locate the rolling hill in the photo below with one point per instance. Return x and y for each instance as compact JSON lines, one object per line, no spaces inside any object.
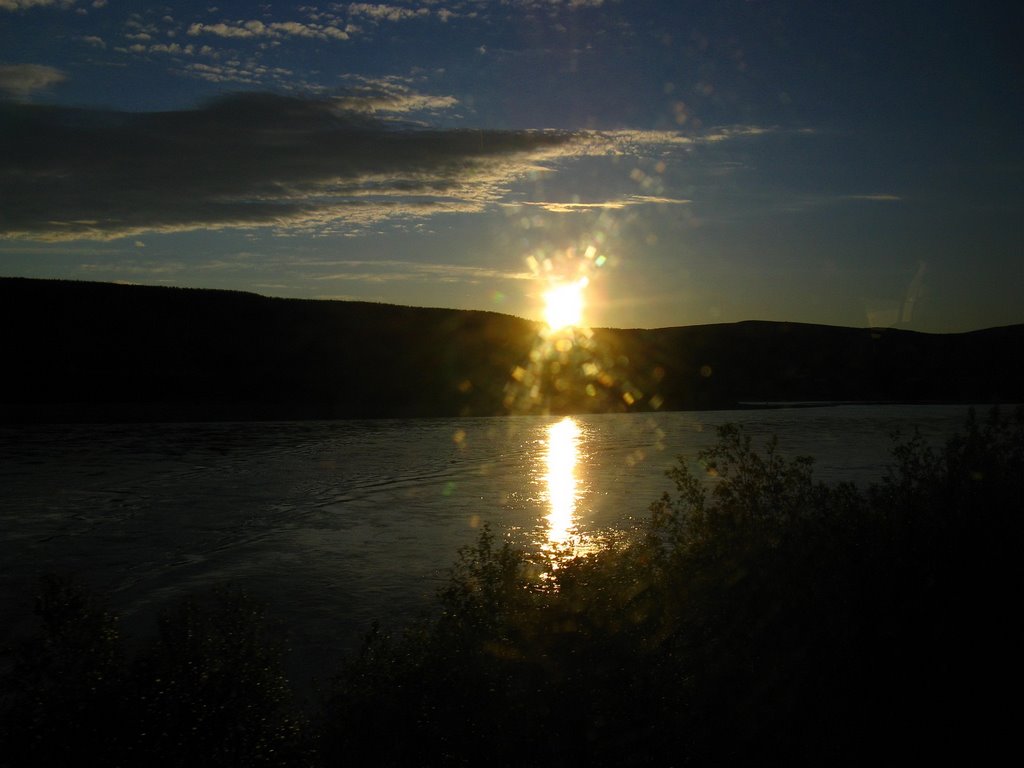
{"x":78,"y":351}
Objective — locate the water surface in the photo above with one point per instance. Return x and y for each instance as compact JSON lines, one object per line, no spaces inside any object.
{"x":337,"y":523}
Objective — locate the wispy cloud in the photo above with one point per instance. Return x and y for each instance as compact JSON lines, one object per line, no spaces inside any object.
{"x":260,"y":160}
{"x":245,"y":161}
{"x":389,"y":95}
{"x":385,"y":12}
{"x":175,"y":49}
{"x":387,"y":271}
{"x":617,"y":204}
{"x":20,"y":80}
{"x":726,"y":133}
{"x":276,"y":29}
{"x":878,"y":197}
{"x":556,"y":6}
{"x":23,"y":5}
{"x":249,"y":72}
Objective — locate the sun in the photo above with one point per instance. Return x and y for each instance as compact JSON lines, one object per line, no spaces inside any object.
{"x":563,"y":305}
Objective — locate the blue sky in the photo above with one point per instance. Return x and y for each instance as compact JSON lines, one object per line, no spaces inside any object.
{"x":831,"y":162}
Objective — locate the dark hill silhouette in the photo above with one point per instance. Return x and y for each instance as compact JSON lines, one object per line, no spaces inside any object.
{"x":99,"y":351}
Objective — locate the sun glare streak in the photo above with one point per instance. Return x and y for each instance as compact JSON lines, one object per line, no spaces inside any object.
{"x":563,"y":305}
{"x":562,"y":457}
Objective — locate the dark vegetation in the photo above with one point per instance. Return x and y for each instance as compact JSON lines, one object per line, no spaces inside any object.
{"x":772,"y":620}
{"x":103,"y":352}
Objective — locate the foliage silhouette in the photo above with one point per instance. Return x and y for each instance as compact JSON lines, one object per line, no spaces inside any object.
{"x":757,"y":618}
{"x":67,"y":686}
{"x":771,"y":619}
{"x":212,"y":689}
{"x":207,"y":691}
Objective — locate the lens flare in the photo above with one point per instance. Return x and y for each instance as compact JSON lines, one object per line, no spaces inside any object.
{"x":563,"y":305}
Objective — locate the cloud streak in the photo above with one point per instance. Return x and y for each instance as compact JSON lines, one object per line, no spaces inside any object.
{"x":615,"y":205}
{"x":384,"y":12}
{"x":278,"y":29}
{"x":878,"y":197}
{"x":23,"y":5}
{"x":257,"y":160}
{"x":386,"y":271}
{"x":20,"y":80}
{"x":389,"y":95}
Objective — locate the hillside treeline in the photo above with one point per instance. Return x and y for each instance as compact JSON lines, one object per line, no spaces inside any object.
{"x":92,"y":351}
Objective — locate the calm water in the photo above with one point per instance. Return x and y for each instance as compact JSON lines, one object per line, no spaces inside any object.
{"x":335,"y":524}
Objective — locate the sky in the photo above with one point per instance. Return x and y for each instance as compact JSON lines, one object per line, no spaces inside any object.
{"x":847,"y":163}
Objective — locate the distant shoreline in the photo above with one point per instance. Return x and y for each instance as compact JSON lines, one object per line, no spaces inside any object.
{"x":70,"y":413}
{"x":81,"y":352}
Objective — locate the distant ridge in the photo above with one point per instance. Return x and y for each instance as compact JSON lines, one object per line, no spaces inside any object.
{"x":80,"y":351}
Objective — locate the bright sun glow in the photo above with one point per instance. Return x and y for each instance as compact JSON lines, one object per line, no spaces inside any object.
{"x":564,"y":305}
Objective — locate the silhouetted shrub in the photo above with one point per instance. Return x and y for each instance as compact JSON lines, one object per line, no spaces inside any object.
{"x":209,"y":690}
{"x":769,"y":619}
{"x":212,"y":690}
{"x":762,"y":619}
{"x":66,"y":693}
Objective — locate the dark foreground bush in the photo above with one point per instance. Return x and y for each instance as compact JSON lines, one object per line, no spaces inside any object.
{"x":771,"y":620}
{"x":207,"y":691}
{"x":768,"y":620}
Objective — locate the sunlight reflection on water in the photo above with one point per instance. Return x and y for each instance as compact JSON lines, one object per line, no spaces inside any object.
{"x":337,"y":524}
{"x":564,"y":465}
{"x":561,"y":459}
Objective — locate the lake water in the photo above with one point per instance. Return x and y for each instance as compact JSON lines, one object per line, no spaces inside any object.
{"x":337,"y":523}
